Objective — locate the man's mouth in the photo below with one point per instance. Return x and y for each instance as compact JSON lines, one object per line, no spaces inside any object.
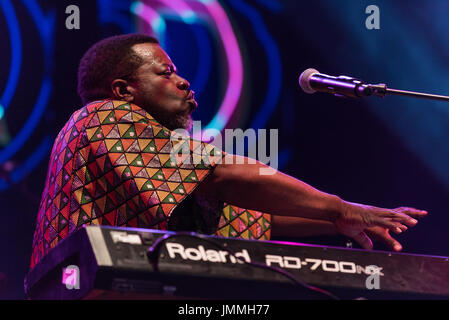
{"x":190,"y":95}
{"x":190,"y":98}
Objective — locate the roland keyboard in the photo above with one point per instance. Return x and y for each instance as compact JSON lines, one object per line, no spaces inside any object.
{"x":109,"y":262}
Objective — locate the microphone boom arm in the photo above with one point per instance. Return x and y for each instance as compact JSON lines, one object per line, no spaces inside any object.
{"x":381,"y":90}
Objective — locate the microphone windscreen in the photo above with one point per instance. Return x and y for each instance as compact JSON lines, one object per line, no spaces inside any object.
{"x":304,"y":80}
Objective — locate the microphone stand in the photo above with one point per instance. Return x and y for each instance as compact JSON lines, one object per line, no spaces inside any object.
{"x":381,"y":90}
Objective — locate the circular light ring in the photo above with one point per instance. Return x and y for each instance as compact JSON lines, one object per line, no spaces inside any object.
{"x":44,"y":93}
{"x":156,"y":22}
{"x":16,"y":53}
{"x":45,"y":26}
{"x":192,"y":11}
{"x":273,"y":57}
{"x":187,"y":12}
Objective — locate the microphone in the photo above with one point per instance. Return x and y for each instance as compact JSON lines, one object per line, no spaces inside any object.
{"x":311,"y":81}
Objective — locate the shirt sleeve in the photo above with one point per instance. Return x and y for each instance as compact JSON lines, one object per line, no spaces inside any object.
{"x":141,"y":170}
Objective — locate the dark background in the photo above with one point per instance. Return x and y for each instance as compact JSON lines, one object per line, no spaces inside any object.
{"x":386,"y":152}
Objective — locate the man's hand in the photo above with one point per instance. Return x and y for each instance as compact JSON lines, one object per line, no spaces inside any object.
{"x":383,"y":235}
{"x":356,"y":220}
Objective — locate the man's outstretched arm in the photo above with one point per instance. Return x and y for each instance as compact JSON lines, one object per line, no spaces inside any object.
{"x":279,"y":194}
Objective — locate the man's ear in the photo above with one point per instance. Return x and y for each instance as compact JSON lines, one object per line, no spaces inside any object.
{"x":122,"y":90}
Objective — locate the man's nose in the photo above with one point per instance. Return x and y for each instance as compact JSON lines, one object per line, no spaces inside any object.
{"x":183,"y":84}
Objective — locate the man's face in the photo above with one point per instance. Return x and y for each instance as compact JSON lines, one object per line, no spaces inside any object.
{"x":160,"y":90}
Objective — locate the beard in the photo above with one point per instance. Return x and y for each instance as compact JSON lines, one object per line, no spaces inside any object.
{"x":178,"y":121}
{"x":171,"y":120}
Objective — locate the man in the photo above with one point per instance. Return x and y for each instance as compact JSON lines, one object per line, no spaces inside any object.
{"x":111,"y":164}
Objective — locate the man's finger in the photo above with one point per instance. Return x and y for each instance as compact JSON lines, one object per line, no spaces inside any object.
{"x":363,"y":240}
{"x":412,"y":212}
{"x":401,"y":228}
{"x":390,"y":242}
{"x":400,"y":217}
{"x":390,"y":224}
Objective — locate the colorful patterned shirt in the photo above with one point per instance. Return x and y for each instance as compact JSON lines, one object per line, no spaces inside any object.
{"x":112,"y":164}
